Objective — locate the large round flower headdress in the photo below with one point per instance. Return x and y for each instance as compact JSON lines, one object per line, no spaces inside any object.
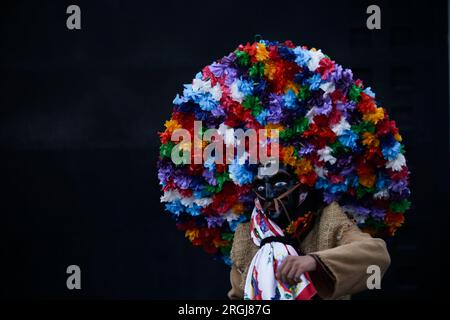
{"x":332,"y":133}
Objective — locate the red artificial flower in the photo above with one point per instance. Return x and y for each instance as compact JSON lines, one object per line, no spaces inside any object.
{"x":250,"y":48}
{"x":398,"y":175}
{"x":336,"y":178}
{"x":165,"y":136}
{"x":170,"y":185}
{"x":195,"y":169}
{"x":366,"y":103}
{"x":207,"y":74}
{"x":326,"y":66}
{"x":337,"y":95}
{"x":289,"y":44}
{"x":359,"y":83}
{"x":309,"y":179}
{"x":273,"y":53}
{"x":185,"y":192}
{"x":335,"y":116}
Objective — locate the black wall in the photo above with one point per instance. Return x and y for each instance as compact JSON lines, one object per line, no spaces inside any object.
{"x":79,"y":112}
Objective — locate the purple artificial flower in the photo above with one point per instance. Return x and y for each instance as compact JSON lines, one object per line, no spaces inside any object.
{"x":346,"y":171}
{"x":164,"y":171}
{"x":398,"y":186}
{"x":209,"y":177}
{"x":344,"y":108}
{"x":229,"y":59}
{"x":344,"y":160}
{"x":378,"y":213}
{"x":306,"y":149}
{"x":181,"y":180}
{"x":325,"y":107}
{"x":215,"y":221}
{"x":275,"y":108}
{"x":217,"y":69}
{"x":231,"y":76}
{"x":329,"y":197}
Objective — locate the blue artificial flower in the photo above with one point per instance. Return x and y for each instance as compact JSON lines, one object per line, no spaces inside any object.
{"x":314,"y":81}
{"x":201,"y":193}
{"x":206,"y":101}
{"x":195,"y":210}
{"x":348,"y":138}
{"x":290,"y":99}
{"x":179,"y":99}
{"x":210,"y":164}
{"x":234,"y":223}
{"x":259,"y":87}
{"x":175,"y":207}
{"x":369,"y":92}
{"x":227,"y":260}
{"x":245,"y":86}
{"x":303,"y":56}
{"x":239,"y":173}
{"x":352,"y":181}
{"x":382,"y":182}
{"x":262,"y":117}
{"x":391,"y":149}
{"x":337,"y":188}
{"x":190,"y":94}
{"x":287,"y":53}
{"x":321,"y":183}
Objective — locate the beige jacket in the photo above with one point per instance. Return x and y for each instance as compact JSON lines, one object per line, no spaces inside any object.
{"x":342,"y":250}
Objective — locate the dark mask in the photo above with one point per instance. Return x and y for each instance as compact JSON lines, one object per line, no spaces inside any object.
{"x":282,"y":183}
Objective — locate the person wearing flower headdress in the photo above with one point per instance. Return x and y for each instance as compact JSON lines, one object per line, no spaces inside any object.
{"x":312,"y":228}
{"x":325,"y":256}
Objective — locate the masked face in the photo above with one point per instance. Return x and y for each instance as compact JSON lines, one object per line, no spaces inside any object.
{"x":270,"y":187}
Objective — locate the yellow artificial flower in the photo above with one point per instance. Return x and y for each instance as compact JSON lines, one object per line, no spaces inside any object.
{"x":272,"y":126}
{"x":288,"y":156}
{"x":398,"y":137}
{"x":171,"y":125}
{"x":370,"y":140}
{"x":191,"y":234}
{"x":269,"y":70}
{"x":303,"y":166}
{"x":238,"y":208}
{"x":261,"y":52}
{"x":292,"y":86}
{"x":376,"y":115}
{"x":367,"y":180}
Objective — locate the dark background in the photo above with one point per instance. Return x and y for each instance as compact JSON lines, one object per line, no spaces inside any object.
{"x":79,"y":116}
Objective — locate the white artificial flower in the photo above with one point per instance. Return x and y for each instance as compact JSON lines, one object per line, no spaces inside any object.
{"x":205,"y":86}
{"x":397,"y":163}
{"x":311,"y":114}
{"x":230,"y":216}
{"x":170,"y":196}
{"x":340,"y":127}
{"x":200,"y":85}
{"x":325,"y":155}
{"x":382,"y":194}
{"x":216,"y":92}
{"x":321,"y":171}
{"x":187,"y":201}
{"x":203,"y":202}
{"x":227,"y":133}
{"x":236,"y":94}
{"x":316,"y":56}
{"x":328,"y":87}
